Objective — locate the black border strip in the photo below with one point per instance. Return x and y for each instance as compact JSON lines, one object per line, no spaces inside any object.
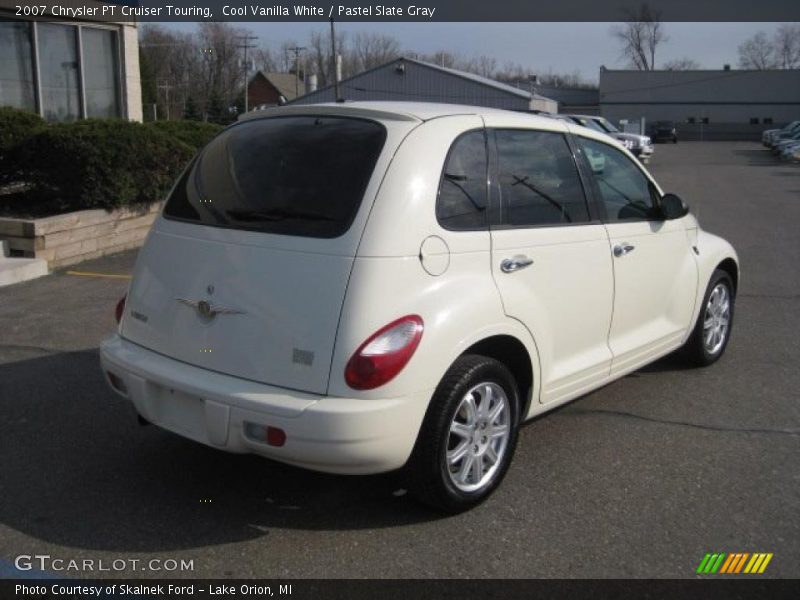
{"x":435,"y":10}
{"x":742,"y":587}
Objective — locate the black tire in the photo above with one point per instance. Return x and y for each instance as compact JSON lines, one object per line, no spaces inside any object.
{"x":430,"y":480}
{"x":695,"y":349}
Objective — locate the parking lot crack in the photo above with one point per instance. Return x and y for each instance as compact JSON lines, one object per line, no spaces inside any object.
{"x":34,"y":348}
{"x":706,"y":427}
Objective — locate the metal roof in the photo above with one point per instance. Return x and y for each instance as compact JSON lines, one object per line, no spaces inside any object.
{"x":383,"y":84}
{"x":472,"y":77}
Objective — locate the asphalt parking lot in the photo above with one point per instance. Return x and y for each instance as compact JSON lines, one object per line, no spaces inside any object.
{"x":638,"y":479}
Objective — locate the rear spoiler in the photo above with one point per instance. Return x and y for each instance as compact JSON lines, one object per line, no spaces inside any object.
{"x":338,"y":109}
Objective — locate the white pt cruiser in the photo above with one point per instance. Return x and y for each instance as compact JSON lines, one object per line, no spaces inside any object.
{"x":359,"y":287}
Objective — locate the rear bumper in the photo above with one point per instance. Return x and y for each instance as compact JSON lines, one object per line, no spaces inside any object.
{"x":335,"y":435}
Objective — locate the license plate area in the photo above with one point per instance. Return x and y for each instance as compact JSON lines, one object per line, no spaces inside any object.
{"x":181,"y":412}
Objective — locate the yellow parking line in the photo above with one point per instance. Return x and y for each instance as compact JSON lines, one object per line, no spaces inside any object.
{"x":106,"y":275}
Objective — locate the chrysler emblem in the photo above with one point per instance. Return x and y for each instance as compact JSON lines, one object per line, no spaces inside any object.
{"x":204,"y":309}
{"x":208,"y":311}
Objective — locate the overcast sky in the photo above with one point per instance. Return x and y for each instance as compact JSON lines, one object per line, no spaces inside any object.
{"x":560,"y":47}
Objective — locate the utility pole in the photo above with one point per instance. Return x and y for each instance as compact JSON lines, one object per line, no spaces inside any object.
{"x":246,"y":45}
{"x":297,"y":50}
{"x":166,"y":87}
{"x":333,"y":64}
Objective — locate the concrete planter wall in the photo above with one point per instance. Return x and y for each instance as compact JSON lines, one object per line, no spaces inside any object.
{"x":74,"y":237}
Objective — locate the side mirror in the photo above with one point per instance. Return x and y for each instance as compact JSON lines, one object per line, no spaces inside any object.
{"x":672,"y":207}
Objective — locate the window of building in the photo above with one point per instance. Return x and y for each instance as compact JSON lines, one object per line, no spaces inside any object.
{"x":754,"y":121}
{"x":462,"y":198}
{"x":705,"y":121}
{"x":100,"y":72}
{"x":539,"y":181}
{"x":73,"y":72}
{"x":767,"y":121}
{"x":58,"y":72}
{"x":16,"y":66}
{"x":691,"y":120}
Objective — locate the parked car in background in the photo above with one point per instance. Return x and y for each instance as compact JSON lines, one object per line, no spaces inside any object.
{"x":784,"y":142}
{"x":787,"y":132}
{"x":596,"y":162}
{"x":664,"y":131}
{"x":359,"y":287}
{"x":641,"y":146}
{"x":768,"y":134}
{"x":787,"y":151}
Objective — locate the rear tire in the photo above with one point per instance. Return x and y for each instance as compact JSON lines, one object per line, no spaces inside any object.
{"x":712,"y":331}
{"x":468,"y":436}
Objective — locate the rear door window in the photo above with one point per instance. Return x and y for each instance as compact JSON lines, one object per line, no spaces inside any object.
{"x":539,"y":180}
{"x":302,"y":176}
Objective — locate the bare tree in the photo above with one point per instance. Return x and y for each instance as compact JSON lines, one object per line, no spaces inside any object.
{"x":640,"y":36}
{"x":223,"y":66}
{"x":681,"y":64}
{"x":564,"y":80}
{"x":787,"y":46}
{"x":265,"y":60}
{"x":442,"y":58}
{"x":757,"y":52}
{"x":482,"y":65}
{"x":319,"y":56}
{"x":372,"y":49}
{"x":172,"y":58}
{"x":285,"y":58}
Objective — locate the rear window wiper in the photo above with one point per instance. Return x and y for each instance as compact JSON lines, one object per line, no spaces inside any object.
{"x":277,"y":214}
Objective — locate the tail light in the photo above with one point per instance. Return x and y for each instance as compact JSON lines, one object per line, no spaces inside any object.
{"x":119,"y":309}
{"x":379,"y":359}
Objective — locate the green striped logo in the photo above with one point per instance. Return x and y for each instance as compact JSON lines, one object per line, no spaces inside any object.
{"x":711,"y":563}
{"x":734,"y":563}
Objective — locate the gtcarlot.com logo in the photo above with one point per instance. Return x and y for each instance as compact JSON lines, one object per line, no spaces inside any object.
{"x":734,"y":563}
{"x":45,"y":562}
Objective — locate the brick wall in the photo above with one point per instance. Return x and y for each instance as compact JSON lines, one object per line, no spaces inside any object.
{"x":261,"y":91}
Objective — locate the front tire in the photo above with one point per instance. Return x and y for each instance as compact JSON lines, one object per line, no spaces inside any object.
{"x":712,"y":331}
{"x":468,"y":436}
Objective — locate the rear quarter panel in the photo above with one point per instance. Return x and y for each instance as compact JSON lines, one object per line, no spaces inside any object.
{"x":459,"y":307}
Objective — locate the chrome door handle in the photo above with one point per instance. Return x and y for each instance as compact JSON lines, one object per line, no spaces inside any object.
{"x":623,"y":249}
{"x":509,"y":265}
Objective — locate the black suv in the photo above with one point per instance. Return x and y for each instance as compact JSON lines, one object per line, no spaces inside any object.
{"x":664,"y":131}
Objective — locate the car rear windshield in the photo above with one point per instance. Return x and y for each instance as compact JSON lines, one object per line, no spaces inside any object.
{"x":302,"y":176}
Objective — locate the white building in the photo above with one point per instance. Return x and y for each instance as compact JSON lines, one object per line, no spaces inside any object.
{"x":66,"y":69}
